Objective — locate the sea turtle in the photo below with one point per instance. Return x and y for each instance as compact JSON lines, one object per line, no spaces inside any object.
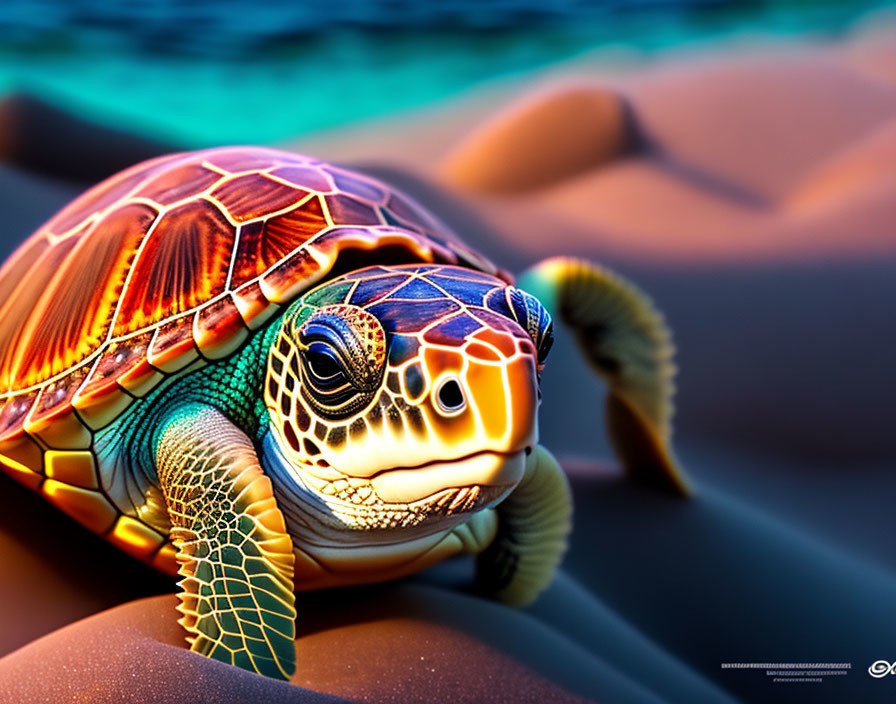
{"x":268,"y":373}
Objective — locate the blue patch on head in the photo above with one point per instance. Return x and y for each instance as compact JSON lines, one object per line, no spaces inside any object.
{"x":413,"y":381}
{"x":369,"y":272}
{"x":409,"y":317}
{"x":402,"y":348}
{"x":473,"y":293}
{"x":453,"y":331}
{"x":499,"y":322}
{"x":372,"y":289}
{"x":417,"y":289}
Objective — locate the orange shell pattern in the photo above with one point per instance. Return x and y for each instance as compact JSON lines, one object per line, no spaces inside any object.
{"x":174,"y":260}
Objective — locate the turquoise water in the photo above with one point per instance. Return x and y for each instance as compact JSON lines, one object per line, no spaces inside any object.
{"x":284,"y":84}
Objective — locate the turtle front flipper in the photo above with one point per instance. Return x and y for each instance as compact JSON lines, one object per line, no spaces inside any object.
{"x":234,"y":552}
{"x":625,"y":339}
{"x":533,"y":524}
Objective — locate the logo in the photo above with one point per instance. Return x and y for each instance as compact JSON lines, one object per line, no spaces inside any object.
{"x":882,"y":668}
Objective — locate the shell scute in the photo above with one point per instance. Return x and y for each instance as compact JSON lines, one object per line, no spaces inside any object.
{"x":60,"y":429}
{"x":290,"y":276}
{"x":410,"y":215}
{"x":178,"y":184}
{"x":13,"y":412}
{"x":100,"y":382}
{"x":76,"y":467}
{"x":218,"y":329}
{"x":90,"y":508}
{"x":51,"y":418}
{"x":255,"y":195}
{"x":172,"y":347}
{"x":124,"y":361}
{"x":22,"y":260}
{"x":17,"y":310}
{"x":239,"y":159}
{"x":358,"y":186}
{"x":351,"y":211}
{"x":135,"y":537}
{"x":182,"y":263}
{"x":57,"y":393}
{"x":117,"y":358}
{"x":255,"y":309}
{"x":89,"y":282}
{"x":309,"y":177}
{"x":103,"y":406}
{"x":22,"y":457}
{"x":263,"y":245}
{"x":140,"y":379}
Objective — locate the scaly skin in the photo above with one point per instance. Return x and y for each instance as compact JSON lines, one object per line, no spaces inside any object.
{"x":234,"y":552}
{"x":231,"y":386}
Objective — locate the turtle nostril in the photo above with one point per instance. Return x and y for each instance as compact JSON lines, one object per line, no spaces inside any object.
{"x":450,"y":396}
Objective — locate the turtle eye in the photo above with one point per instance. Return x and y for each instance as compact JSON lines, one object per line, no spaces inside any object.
{"x":323,"y":366}
{"x":342,"y":355}
{"x":327,"y":382}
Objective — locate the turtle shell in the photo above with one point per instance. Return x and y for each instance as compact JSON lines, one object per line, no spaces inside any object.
{"x":172,"y":262}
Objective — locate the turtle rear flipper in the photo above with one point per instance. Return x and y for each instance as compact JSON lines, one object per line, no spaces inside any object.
{"x":234,"y":552}
{"x":626,"y":341}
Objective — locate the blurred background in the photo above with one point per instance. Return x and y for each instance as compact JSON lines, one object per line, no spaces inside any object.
{"x":236,"y":71}
{"x":735,"y":159}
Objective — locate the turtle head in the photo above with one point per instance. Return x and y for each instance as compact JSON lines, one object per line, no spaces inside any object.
{"x":403,"y":395}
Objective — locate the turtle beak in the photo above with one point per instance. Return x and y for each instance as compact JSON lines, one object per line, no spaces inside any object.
{"x":484,"y":469}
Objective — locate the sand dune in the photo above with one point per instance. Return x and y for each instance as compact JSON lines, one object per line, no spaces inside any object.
{"x":728,"y":155}
{"x":549,"y":137}
{"x":701,"y":158}
{"x":863,"y":167}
